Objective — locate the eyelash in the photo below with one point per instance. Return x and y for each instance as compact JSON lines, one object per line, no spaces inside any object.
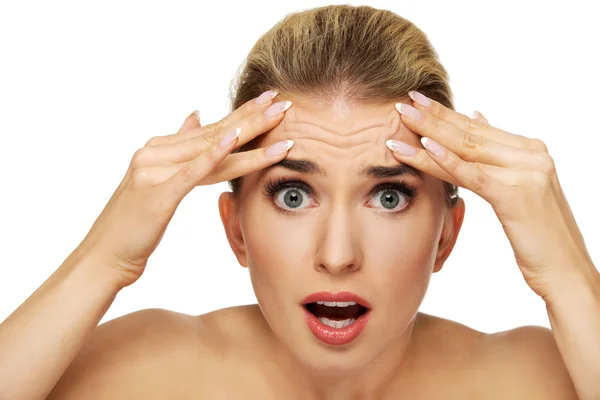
{"x":272,"y":187}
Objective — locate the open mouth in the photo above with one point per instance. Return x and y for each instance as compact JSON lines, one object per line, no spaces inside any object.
{"x":336,"y":314}
{"x":336,"y":318}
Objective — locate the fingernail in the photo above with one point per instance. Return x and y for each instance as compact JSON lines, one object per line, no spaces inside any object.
{"x":279,"y":147}
{"x":433,"y":146}
{"x":266,"y":96}
{"x":230,"y":137}
{"x":419,"y":98}
{"x":401,"y":148}
{"x":476,"y":114}
{"x":409,"y":111}
{"x":196,"y":114}
{"x":277,"y":108}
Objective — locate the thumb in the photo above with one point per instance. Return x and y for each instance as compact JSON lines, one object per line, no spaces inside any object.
{"x":478,"y":116}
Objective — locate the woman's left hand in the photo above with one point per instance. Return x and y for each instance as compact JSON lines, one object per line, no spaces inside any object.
{"x":515,"y":174}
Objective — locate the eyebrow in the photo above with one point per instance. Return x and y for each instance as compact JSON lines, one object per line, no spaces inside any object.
{"x":373,"y":171}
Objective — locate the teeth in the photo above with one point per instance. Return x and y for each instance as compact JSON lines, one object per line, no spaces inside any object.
{"x":337,"y":303}
{"x":336,"y":324}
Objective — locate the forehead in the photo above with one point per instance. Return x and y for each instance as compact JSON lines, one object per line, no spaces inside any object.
{"x":343,"y":140}
{"x":341,"y":133}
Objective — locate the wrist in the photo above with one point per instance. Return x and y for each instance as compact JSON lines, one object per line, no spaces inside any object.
{"x":576,"y":284}
{"x":84,"y":269}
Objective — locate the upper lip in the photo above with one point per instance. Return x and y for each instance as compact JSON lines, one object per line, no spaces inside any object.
{"x":335,"y":296}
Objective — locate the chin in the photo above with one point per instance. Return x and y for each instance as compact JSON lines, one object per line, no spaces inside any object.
{"x":326,"y":350}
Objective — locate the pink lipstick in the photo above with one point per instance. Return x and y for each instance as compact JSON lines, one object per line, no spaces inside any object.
{"x":336,"y":318}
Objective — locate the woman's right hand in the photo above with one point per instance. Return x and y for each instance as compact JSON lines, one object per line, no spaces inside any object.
{"x":165,"y":170}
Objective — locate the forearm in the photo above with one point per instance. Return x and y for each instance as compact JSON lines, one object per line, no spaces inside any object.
{"x":574,"y":314}
{"x":40,"y":339}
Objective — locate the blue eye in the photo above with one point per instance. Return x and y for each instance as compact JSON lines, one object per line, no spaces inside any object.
{"x":290,"y":195}
{"x":389,"y":194}
{"x":292,"y":198}
{"x":389,"y":199}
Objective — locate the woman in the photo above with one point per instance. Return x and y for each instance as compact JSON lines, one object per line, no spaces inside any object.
{"x":340,"y":232}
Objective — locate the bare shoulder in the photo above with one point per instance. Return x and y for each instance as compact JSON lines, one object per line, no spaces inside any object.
{"x":134,"y":355}
{"x":157,"y":353}
{"x":528,"y":363}
{"x":522,"y":363}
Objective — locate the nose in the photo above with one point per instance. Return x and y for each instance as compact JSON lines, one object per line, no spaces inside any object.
{"x":338,"y":253}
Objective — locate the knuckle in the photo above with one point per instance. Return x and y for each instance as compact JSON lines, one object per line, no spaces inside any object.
{"x":247,"y":108}
{"x":258,"y":120}
{"x":421,"y":158}
{"x":441,"y":111}
{"x":545,"y":163}
{"x":208,"y":130}
{"x":480,"y":180}
{"x":154,"y":141}
{"x":472,"y":141}
{"x":215,"y":132}
{"x":472,"y":144}
{"x":473,"y":125}
{"x":435,"y":123}
{"x":538,"y":144}
{"x":142,"y":156}
{"x":212,"y":156}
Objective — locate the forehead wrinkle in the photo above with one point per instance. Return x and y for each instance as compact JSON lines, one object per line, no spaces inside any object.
{"x":339,"y":117}
{"x":293,"y":128}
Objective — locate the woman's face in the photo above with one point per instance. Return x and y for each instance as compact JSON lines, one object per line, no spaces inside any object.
{"x":340,"y":229}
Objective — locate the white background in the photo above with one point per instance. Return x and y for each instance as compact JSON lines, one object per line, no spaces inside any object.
{"x":83,"y":85}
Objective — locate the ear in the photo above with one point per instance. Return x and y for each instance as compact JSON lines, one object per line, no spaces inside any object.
{"x":228,"y":209}
{"x":452,"y":224}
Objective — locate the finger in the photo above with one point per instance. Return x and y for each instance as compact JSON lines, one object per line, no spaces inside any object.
{"x":479,"y":116}
{"x":185,"y":150}
{"x":472,"y":125}
{"x":468,"y":146}
{"x":233,"y":166}
{"x":421,"y":160}
{"x":215,"y":130}
{"x":256,"y":105}
{"x":240,"y":164}
{"x":191,"y":122}
{"x":465,"y":173}
{"x":187,"y":177}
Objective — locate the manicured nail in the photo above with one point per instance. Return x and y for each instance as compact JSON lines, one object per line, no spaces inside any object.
{"x":476,"y":114}
{"x":230,"y":137}
{"x":433,"y":146}
{"x":277,"y":108}
{"x":401,"y":148}
{"x":196,"y":113}
{"x":266,"y":96}
{"x":279,"y":147}
{"x":409,"y":111}
{"x":419,"y":98}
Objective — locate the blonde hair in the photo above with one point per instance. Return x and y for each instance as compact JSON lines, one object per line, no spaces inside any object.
{"x":357,"y":53}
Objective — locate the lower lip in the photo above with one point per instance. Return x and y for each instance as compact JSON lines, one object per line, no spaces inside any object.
{"x":336,"y":336}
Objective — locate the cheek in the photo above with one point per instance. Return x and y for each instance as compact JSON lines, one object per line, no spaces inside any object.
{"x":278,"y":250}
{"x":402,"y":253}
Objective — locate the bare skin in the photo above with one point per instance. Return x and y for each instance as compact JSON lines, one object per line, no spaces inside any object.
{"x":157,"y":354}
{"x":252,"y":352}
